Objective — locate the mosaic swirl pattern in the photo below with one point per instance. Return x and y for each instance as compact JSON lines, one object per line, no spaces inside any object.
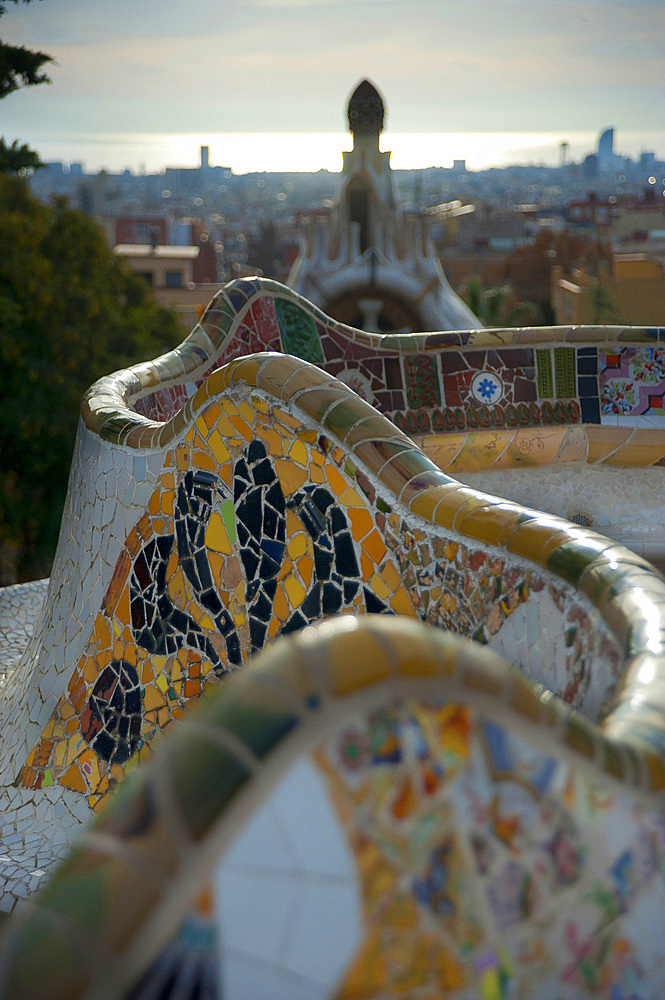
{"x":494,"y":855}
{"x":261,"y":524}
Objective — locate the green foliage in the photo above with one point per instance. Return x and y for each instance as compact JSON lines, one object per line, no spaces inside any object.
{"x":19,"y":67}
{"x":603,"y":307}
{"x":70,"y":312}
{"x":18,"y":158}
{"x":498,"y":306}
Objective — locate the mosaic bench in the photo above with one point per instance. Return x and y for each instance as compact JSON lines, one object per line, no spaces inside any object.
{"x":273,"y":496}
{"x":563,"y":419}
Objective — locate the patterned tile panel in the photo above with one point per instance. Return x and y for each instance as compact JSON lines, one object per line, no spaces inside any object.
{"x":489,"y":378}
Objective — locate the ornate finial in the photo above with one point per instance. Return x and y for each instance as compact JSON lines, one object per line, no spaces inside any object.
{"x":366,"y":110}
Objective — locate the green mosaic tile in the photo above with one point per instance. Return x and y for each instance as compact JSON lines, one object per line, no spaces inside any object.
{"x":220,"y":317}
{"x":544,"y":374}
{"x":564,"y":371}
{"x":298,"y":332}
{"x":258,"y":726}
{"x":204,"y":789}
{"x":422,"y":380}
{"x":572,"y":558}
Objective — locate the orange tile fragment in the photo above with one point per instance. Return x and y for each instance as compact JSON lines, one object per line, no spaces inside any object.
{"x":72,"y":778}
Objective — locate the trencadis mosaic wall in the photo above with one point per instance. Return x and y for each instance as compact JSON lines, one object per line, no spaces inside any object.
{"x":276,"y":496}
{"x":491,"y":405}
{"x":435,"y":382}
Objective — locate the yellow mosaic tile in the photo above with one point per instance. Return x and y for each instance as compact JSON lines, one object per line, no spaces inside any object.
{"x":486,"y":523}
{"x":443,"y":448}
{"x":274,"y":441}
{"x":336,"y":480}
{"x":479,"y":451}
{"x":604,"y":441}
{"x":643,"y":449}
{"x":298,"y":453}
{"x":242,"y":427}
{"x":375,"y":547}
{"x":245,"y":370}
{"x":535,"y":540}
{"x":216,"y":536}
{"x":316,"y":474}
{"x":370,"y":665}
{"x":218,"y":448}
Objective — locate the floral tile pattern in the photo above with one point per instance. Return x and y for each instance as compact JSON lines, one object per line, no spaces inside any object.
{"x":633,"y":381}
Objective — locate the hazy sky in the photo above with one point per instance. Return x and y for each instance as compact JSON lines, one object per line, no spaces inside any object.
{"x":289,"y":65}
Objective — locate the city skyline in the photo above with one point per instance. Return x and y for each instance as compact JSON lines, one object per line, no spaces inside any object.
{"x":266,"y":67}
{"x":304,"y":152}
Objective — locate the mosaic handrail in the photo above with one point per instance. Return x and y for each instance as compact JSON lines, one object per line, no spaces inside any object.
{"x":573,"y":922}
{"x":530,"y":381}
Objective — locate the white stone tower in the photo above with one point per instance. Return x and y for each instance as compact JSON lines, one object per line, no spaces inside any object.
{"x":373,"y":266}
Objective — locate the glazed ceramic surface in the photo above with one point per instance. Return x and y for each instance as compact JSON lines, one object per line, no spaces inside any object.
{"x":213,"y":510}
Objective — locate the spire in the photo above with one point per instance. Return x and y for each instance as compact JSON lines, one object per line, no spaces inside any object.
{"x":365,"y":111}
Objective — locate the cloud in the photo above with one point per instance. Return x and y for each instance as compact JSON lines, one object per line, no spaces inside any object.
{"x":290,"y":64}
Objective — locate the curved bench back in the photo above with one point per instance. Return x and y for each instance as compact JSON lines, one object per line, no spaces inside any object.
{"x":461,"y":835}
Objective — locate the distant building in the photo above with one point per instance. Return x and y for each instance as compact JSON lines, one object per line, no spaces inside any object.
{"x":608,"y":161}
{"x":606,"y":149}
{"x":591,"y":211}
{"x":145,"y":228}
{"x":633,"y":293}
{"x":590,"y":166}
{"x":169,"y":271}
{"x":158,"y":230}
{"x":371,"y":264}
{"x":187,"y":180}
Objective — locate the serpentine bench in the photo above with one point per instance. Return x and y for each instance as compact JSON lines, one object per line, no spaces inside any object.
{"x":274,"y":496}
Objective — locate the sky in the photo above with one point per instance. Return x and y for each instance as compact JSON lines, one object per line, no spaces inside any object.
{"x":288,"y":66}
